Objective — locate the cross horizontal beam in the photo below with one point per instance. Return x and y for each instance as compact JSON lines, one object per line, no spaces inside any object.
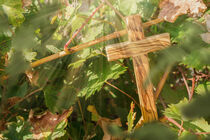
{"x":136,"y":48}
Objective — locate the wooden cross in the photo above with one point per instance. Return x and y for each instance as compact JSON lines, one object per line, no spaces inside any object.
{"x":137,"y":47}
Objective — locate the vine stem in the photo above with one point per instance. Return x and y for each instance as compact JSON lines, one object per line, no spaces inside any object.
{"x":162,"y":82}
{"x":175,"y":123}
{"x":82,"y":114}
{"x":25,"y":97}
{"x":83,"y":25}
{"x":123,"y":93}
{"x":77,"y":48}
{"x":185,"y":82}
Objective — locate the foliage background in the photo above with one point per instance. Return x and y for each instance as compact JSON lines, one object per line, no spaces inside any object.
{"x":31,"y":30}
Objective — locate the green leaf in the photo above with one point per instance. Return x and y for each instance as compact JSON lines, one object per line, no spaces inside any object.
{"x":18,"y":130}
{"x":15,"y":16}
{"x":203,"y":88}
{"x":94,"y":29}
{"x":22,"y":90}
{"x":5,"y":44}
{"x":30,"y":55}
{"x":197,"y":59}
{"x":187,"y":136}
{"x":171,"y":95}
{"x":128,"y":8}
{"x":174,"y":111}
{"x":58,"y":132}
{"x":147,"y":8}
{"x":82,"y":56}
{"x":198,"y":107}
{"x":154,"y":131}
{"x":52,"y":48}
{"x":50,"y":94}
{"x":98,"y":72}
{"x":76,"y":23}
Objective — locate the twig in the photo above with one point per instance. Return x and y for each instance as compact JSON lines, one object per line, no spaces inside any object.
{"x":88,"y":44}
{"x":123,"y":93}
{"x":1,"y":69}
{"x":180,"y":130}
{"x":162,"y":102}
{"x":185,"y":82}
{"x":175,"y":123}
{"x":192,"y":89}
{"x":162,"y":82}
{"x":202,"y":133}
{"x":28,"y":95}
{"x":83,"y":25}
{"x":116,"y":11}
{"x":83,"y":119}
{"x":78,"y":48}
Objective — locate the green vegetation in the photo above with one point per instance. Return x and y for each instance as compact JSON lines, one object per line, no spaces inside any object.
{"x":35,"y":103}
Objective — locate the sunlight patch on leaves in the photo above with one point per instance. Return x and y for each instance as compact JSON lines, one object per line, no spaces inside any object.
{"x":98,"y":73}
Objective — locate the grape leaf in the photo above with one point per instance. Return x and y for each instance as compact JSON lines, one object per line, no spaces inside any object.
{"x":171,"y":9}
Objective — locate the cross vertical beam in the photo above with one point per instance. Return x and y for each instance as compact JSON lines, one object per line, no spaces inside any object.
{"x":141,"y":69}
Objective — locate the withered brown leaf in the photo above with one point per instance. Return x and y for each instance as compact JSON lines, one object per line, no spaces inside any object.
{"x":104,"y":123}
{"x":171,"y":9}
{"x":33,"y":77}
{"x":47,"y":121}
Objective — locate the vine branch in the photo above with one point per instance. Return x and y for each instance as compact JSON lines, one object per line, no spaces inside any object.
{"x":88,"y":44}
{"x":123,"y":93}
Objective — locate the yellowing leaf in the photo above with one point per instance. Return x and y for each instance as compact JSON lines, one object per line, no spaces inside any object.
{"x":95,"y":116}
{"x":171,"y":9}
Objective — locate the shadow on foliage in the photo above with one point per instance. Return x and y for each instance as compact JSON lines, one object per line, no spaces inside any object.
{"x":198,"y":107}
{"x":151,"y":131}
